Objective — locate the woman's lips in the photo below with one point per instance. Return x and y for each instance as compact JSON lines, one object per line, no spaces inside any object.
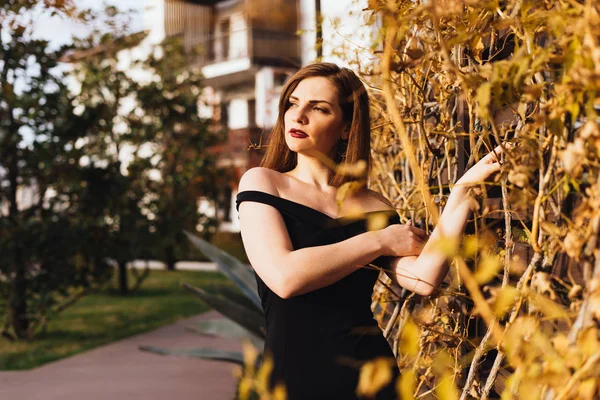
{"x":298,"y":134}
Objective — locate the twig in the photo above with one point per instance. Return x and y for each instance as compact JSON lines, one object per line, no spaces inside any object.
{"x":578,"y":375}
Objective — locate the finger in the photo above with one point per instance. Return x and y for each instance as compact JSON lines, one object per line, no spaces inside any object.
{"x":493,"y":155}
{"x":419,"y":232}
{"x":498,"y":150}
{"x":493,"y":168}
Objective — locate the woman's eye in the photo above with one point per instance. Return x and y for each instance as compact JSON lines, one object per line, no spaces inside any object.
{"x":320,"y":109}
{"x":292,"y":104}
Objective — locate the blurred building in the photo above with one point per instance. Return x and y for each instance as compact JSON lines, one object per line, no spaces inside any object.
{"x":245,"y":54}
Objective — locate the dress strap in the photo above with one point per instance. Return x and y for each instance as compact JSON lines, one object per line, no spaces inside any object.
{"x":283,"y":205}
{"x":258,"y":197}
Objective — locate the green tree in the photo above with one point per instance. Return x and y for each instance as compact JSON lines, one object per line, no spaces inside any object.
{"x":45,"y":244}
{"x":103,"y":96}
{"x":166,"y":116}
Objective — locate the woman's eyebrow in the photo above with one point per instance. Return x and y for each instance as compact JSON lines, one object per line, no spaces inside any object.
{"x":312,"y":101}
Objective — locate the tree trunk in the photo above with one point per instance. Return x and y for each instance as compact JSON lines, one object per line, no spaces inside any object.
{"x":18,"y":297}
{"x":18,"y":303}
{"x":123,"y":284}
{"x":170,"y":258}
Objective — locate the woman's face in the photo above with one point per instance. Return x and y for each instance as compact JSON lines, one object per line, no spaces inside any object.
{"x":313,"y":120}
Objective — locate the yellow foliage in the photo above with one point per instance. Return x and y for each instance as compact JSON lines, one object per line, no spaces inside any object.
{"x":446,"y":389}
{"x":376,"y":221}
{"x":470,"y":246}
{"x":409,"y":341}
{"x":405,"y":385}
{"x":347,"y":190}
{"x":358,"y":169}
{"x":505,"y":298}
{"x":462,"y":77}
{"x":487,"y":268}
{"x":588,"y":389}
{"x":374,"y":375}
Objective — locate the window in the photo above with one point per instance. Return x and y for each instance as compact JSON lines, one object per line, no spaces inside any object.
{"x":224,"y":114}
{"x":252,"y":112}
{"x":279,"y":78}
{"x":224,"y":33}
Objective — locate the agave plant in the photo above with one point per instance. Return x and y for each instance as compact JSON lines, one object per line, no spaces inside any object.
{"x":242,"y":308}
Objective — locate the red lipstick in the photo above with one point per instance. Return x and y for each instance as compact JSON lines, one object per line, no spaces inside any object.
{"x":297,"y":133}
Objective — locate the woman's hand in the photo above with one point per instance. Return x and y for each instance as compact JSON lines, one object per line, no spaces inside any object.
{"x":481,"y":171}
{"x":401,"y":240}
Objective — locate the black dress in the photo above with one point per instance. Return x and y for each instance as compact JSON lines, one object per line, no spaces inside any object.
{"x":319,"y":339}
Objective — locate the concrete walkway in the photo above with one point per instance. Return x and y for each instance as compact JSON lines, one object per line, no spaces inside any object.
{"x":119,"y":371}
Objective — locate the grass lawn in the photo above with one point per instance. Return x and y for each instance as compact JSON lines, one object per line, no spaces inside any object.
{"x":104,"y":317}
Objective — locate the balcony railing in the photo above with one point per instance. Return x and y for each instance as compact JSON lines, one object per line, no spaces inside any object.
{"x":259,"y":45}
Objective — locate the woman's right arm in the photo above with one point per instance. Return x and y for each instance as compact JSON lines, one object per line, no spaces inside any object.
{"x":286,"y":271}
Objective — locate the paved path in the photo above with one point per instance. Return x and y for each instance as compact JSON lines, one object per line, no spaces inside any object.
{"x":119,"y":371}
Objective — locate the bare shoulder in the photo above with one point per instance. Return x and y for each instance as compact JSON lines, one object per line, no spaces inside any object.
{"x":376,"y":199}
{"x":260,"y":179}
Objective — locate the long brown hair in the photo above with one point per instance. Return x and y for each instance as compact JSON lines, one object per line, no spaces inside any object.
{"x":354,"y":102}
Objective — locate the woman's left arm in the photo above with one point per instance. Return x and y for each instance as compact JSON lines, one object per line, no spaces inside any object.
{"x":422,"y":274}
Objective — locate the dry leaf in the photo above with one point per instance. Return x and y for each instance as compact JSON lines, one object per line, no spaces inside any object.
{"x":470,"y":246}
{"x":377,"y":221}
{"x":409,"y":341}
{"x":573,"y":157}
{"x":374,"y":375}
{"x":358,"y":169}
{"x":541,"y":282}
{"x":504,"y":299}
{"x":518,"y":176}
{"x":446,"y":389}
{"x":588,"y":389}
{"x":487,"y":268}
{"x":575,"y":292}
{"x":279,"y":392}
{"x":346,"y":190}
{"x":405,"y":386}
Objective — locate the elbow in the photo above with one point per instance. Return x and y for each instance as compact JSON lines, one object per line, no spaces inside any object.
{"x":283,"y":291}
{"x":282,"y":281}
{"x":418,"y":277}
{"x":424,"y":289}
{"x":284,"y":286}
{"x":285,"y":294}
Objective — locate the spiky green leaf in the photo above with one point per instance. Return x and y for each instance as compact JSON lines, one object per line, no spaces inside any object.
{"x":244,"y":316}
{"x":235,"y":357}
{"x":226,"y":328}
{"x":234,"y":269}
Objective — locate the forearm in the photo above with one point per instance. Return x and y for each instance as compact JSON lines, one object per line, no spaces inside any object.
{"x":424,"y":273}
{"x":312,"y":268}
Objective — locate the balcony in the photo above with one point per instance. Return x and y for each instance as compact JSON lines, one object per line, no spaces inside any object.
{"x":228,"y":42}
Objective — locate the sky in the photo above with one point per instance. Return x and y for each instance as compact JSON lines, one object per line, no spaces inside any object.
{"x":59,"y":30}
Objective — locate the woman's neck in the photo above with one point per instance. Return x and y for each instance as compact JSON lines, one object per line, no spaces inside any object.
{"x":311,"y":171}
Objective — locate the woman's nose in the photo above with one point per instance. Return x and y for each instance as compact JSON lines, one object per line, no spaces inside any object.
{"x":299,"y":115}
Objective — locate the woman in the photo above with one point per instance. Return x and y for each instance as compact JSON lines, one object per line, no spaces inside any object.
{"x":308,"y":254}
